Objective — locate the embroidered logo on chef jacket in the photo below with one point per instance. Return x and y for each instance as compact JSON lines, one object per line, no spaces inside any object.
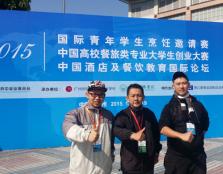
{"x":183,"y":106}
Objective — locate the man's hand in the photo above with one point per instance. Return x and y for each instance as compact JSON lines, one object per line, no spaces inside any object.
{"x":93,"y":136}
{"x":187,"y":137}
{"x":138,"y":136}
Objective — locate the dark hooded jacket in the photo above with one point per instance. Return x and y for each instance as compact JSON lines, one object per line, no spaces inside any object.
{"x":124,"y":126}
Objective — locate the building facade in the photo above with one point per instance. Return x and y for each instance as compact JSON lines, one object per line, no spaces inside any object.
{"x":196,"y":10}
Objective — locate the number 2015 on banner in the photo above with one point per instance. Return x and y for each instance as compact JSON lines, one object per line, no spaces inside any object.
{"x":21,"y":51}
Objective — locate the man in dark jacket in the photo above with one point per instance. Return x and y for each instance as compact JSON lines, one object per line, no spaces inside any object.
{"x":184,"y":121}
{"x":137,"y":128}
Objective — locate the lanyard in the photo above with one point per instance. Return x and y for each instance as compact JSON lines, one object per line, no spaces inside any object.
{"x":138,"y":123}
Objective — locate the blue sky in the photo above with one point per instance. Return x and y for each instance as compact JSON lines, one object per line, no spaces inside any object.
{"x":92,"y":7}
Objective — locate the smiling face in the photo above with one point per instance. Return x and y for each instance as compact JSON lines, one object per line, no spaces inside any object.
{"x":95,"y":98}
{"x":180,"y":86}
{"x":135,"y":97}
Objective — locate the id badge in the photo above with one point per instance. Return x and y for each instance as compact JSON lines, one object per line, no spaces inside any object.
{"x":142,"y":146}
{"x":191,"y":128}
{"x":96,"y":147}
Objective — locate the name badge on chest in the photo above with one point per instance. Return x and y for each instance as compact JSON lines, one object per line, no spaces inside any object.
{"x":142,"y":146}
{"x":191,"y":128}
{"x":96,"y":147}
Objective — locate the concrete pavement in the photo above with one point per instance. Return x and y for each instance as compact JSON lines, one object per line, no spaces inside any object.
{"x":56,"y":160}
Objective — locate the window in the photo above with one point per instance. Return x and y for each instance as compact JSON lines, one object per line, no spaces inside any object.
{"x":136,"y":12}
{"x":208,"y":14}
{"x":167,"y":5}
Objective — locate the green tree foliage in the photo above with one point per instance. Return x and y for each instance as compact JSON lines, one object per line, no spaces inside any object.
{"x":15,"y":4}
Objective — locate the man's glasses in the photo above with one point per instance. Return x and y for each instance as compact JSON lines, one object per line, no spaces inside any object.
{"x":94,"y":95}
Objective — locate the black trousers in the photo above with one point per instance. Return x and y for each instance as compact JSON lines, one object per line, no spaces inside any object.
{"x":175,"y":164}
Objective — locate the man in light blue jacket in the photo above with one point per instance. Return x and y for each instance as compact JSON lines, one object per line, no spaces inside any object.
{"x":89,"y":130}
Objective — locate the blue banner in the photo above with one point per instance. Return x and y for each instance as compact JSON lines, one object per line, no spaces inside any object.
{"x":48,"y":59}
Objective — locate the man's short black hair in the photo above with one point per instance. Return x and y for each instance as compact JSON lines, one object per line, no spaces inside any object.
{"x":135,"y":85}
{"x":179,"y":74}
